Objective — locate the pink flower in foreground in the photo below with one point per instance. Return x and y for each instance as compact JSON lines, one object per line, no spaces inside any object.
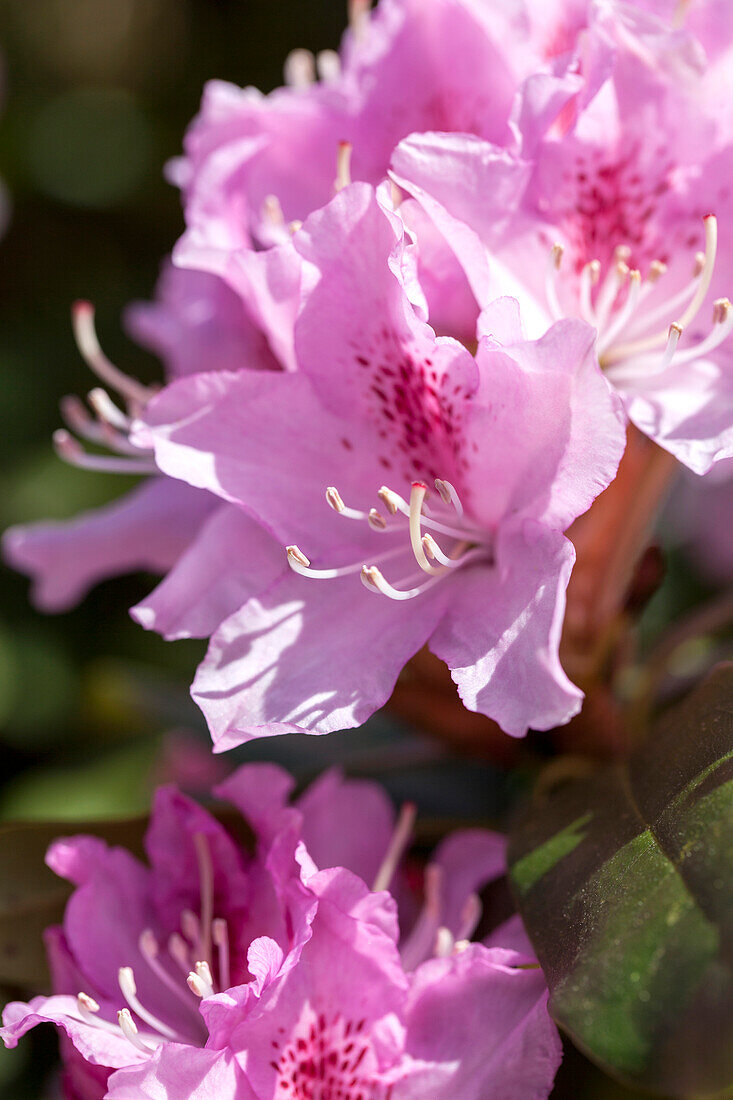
{"x":518,"y":441}
{"x":295,"y":980}
{"x":616,"y":223}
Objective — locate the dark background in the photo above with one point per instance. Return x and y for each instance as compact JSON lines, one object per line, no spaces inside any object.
{"x":93,"y":710}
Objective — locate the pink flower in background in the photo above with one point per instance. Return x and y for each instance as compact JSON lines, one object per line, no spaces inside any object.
{"x":615,"y":224}
{"x":518,"y":440}
{"x":294,"y":973}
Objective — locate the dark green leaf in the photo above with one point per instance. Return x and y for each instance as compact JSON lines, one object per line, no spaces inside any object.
{"x":625,"y":884}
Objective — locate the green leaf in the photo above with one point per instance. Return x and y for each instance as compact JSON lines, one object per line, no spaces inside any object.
{"x":625,"y":884}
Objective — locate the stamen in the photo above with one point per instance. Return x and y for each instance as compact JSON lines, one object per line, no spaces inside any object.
{"x":359,"y":16}
{"x":197,"y":986}
{"x":444,"y":943}
{"x":624,"y":315}
{"x":449,"y":494}
{"x":722,"y":327}
{"x":389,"y":499}
{"x":179,"y":952}
{"x":203,"y":972}
{"x":128,"y":988}
{"x":394,"y":501}
{"x":680,"y":14}
{"x":70,"y":450}
{"x":417,"y":496}
{"x":85,"y":334}
{"x":553,"y":266}
{"x":656,"y":269}
{"x":220,"y":935}
{"x":149,"y":949}
{"x":206,"y":884}
{"x":87,"y":1003}
{"x":397,"y":845}
{"x":294,"y":226}
{"x":299,"y":69}
{"x":701,"y":283}
{"x":421,"y":941}
{"x":343,"y":166}
{"x":373,"y":579}
{"x":588,"y":278}
{"x":128,"y":1027}
{"x":333,"y":496}
{"x":456,"y":558}
{"x":191,"y":928}
{"x":328,"y":65}
{"x":611,"y":285}
{"x":107,"y":411}
{"x":470,"y":916}
{"x":706,"y":275}
{"x":273,"y":211}
{"x":376,"y":520}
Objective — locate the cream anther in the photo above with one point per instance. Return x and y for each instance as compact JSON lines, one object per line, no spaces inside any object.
{"x":190,"y":926}
{"x":273,"y":211}
{"x":359,"y":16}
{"x":328,"y":65}
{"x":376,"y":520}
{"x":86,"y":1002}
{"x":622,"y":253}
{"x":656,"y":270}
{"x":343,"y":166}
{"x":429,"y":545}
{"x":300,"y":68}
{"x":297,"y":557}
{"x":203,"y":972}
{"x":553,"y":266}
{"x":294,"y":226}
{"x":721,"y":309}
{"x":334,"y":499}
{"x":148,"y":944}
{"x":389,"y":500}
{"x":128,"y":1027}
{"x":400,"y":839}
{"x":556,"y":253}
{"x":196,"y":986}
{"x":444,"y":943}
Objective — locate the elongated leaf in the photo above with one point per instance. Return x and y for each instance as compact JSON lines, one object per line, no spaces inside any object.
{"x":625,"y":883}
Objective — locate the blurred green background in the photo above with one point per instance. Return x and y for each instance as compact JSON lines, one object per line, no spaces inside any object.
{"x":93,"y":710}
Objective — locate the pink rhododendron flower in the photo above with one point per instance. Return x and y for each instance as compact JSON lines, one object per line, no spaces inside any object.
{"x":294,"y":974}
{"x":518,"y":441}
{"x":630,"y":178}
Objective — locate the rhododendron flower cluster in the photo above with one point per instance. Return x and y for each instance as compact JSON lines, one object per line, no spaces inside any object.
{"x":213,"y":972}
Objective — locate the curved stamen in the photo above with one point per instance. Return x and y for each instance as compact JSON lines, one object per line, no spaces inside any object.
{"x":128,"y":1027}
{"x":126,"y":978}
{"x":588,"y":279}
{"x":701,"y":283}
{"x":624,"y":315}
{"x":179,"y":952}
{"x":220,"y":936}
{"x":272,"y":211}
{"x":470,"y":916}
{"x":206,"y":886}
{"x":421,"y":940}
{"x":150,"y":949}
{"x":359,"y":16}
{"x":722,"y":327}
{"x":85,"y":334}
{"x":395,"y":503}
{"x":417,"y":496}
{"x":554,"y":261}
{"x":299,"y":563}
{"x":449,"y":494}
{"x":373,"y":580}
{"x":397,"y":845}
{"x":70,"y":450}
